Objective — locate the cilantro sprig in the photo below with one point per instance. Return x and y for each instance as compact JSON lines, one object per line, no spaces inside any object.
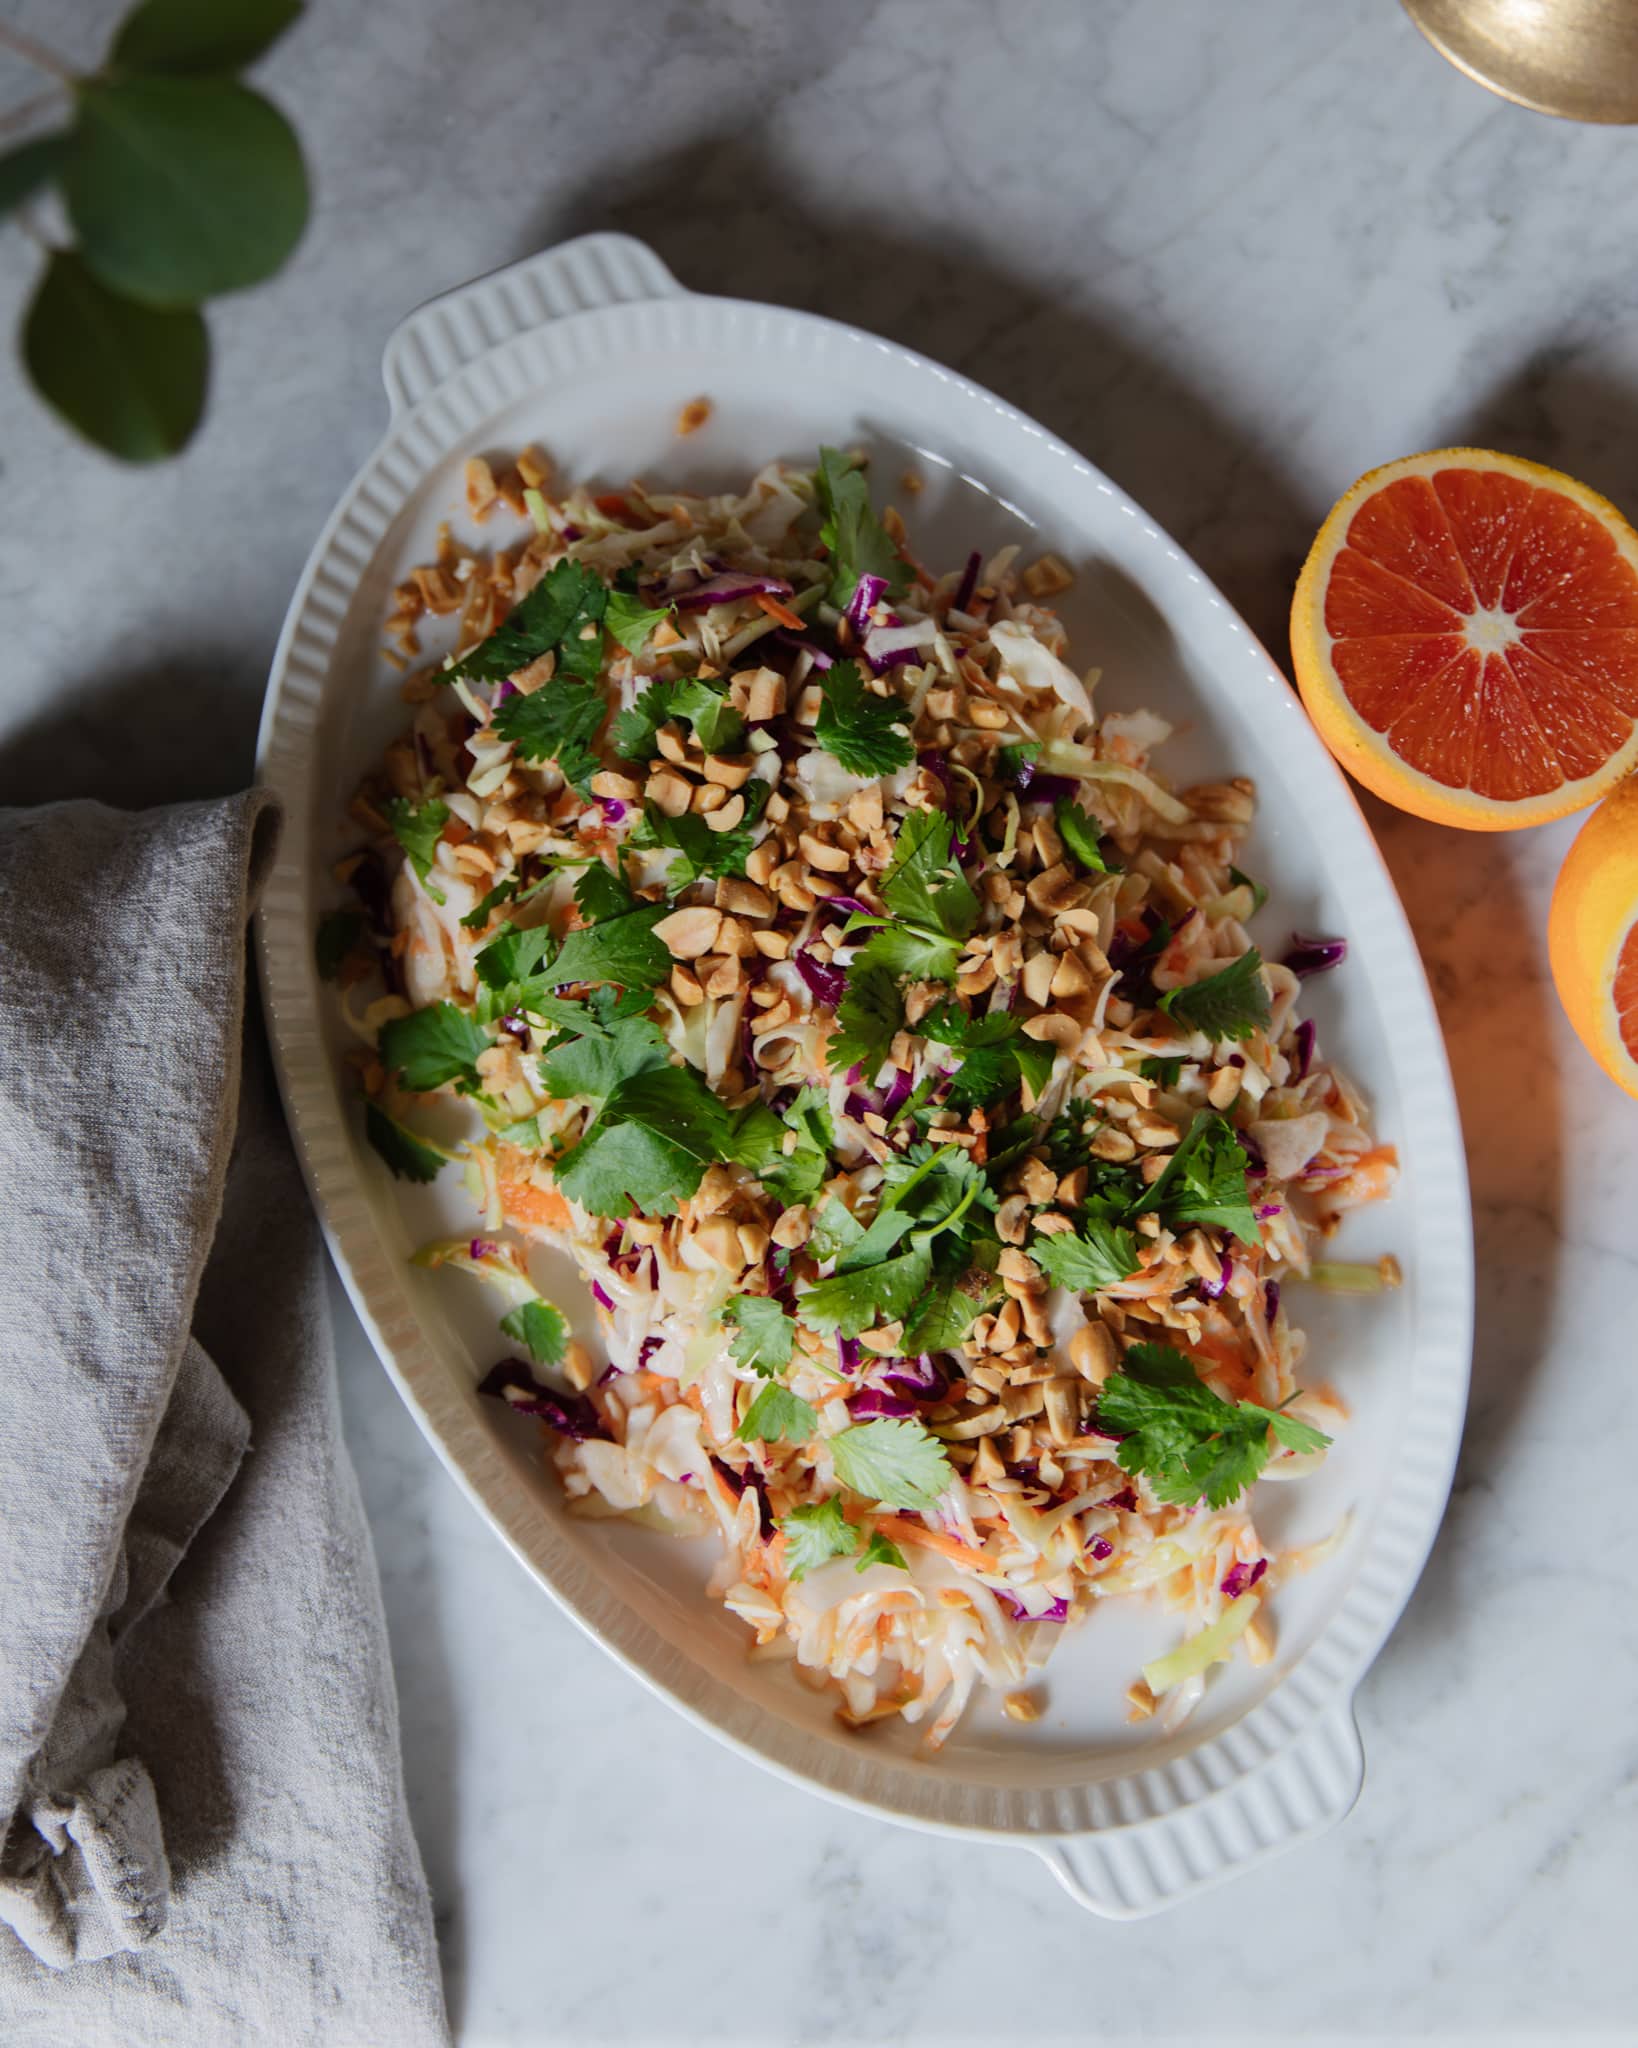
{"x":630,"y":621}
{"x":1204,"y":1181}
{"x":563,"y":613}
{"x":995,"y":1054}
{"x":1232,"y":1003}
{"x":859,"y":544}
{"x":649,"y":1145}
{"x":764,"y":1337}
{"x":417,"y":828}
{"x":1185,"y":1440}
{"x":434,"y":1047}
{"x":558,"y":722}
{"x":858,"y":727}
{"x":896,"y":1463}
{"x":932,"y":906}
{"x":1099,"y":1254}
{"x":868,"y":1018}
{"x":697,"y":850}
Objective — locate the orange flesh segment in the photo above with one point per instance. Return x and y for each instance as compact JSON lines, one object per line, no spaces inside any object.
{"x":1552,"y":690}
{"x":1626,"y":992}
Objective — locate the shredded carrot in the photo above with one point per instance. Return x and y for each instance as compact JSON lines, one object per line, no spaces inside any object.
{"x":781,"y":612}
{"x":904,"y":1531}
{"x":535,"y":1208}
{"x":613,"y":506}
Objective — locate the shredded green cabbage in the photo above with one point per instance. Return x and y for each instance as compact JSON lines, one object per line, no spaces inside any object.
{"x":1201,"y":1651}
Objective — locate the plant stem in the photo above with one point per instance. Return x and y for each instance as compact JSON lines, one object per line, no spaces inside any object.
{"x":19,"y":117}
{"x":34,"y":53}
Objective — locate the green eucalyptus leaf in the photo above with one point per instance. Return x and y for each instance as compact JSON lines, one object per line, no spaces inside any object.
{"x":191,"y":38}
{"x":25,"y":169}
{"x":129,"y":377}
{"x":180,"y":188}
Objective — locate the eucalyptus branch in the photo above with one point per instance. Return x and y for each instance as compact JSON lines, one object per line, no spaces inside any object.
{"x":31,"y":52}
{"x":20,"y":116}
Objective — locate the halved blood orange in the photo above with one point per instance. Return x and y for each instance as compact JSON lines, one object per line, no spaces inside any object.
{"x":1592,"y":935}
{"x":1465,"y":634}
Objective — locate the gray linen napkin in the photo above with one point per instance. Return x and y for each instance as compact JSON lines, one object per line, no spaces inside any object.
{"x":201,"y":1802}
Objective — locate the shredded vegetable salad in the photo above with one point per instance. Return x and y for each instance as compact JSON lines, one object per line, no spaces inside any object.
{"x":887,"y":1042}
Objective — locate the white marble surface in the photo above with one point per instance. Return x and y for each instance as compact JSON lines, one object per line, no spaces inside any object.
{"x":1237,"y":253}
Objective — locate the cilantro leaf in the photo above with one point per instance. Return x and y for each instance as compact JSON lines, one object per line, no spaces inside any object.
{"x":620,"y":949}
{"x":1080,"y":832}
{"x":1164,"y":1072}
{"x":404,"y":1152}
{"x":557,"y":722}
{"x":924,"y":886}
{"x":634,"y":735}
{"x":539,"y":1328}
{"x":995,"y":1054}
{"x":859,"y":544}
{"x":1012,"y":761}
{"x":417,"y":828}
{"x":513,"y":957}
{"x":896,"y":1463}
{"x":1097,"y":1255}
{"x":943,"y":1316}
{"x":603,"y":892}
{"x":1205,"y":1182}
{"x":563,"y":611}
{"x":699,"y":850}
{"x":909,"y":953}
{"x":881,"y":1550}
{"x":795,"y":1174}
{"x":630,"y":621}
{"x":649,"y":1147}
{"x":1259,"y":893}
{"x":1188,"y":1443}
{"x":834,"y":1229}
{"x":765,"y":1337}
{"x":777,"y":1412}
{"x":598,"y":1052}
{"x":814,"y":1535}
{"x":338,"y":933}
{"x":481,"y":912}
{"x":868,"y":1018}
{"x":1230,"y":1004}
{"x":717,"y":725}
{"x":851,"y":1301}
{"x":858,"y":727}
{"x":432,"y":1047}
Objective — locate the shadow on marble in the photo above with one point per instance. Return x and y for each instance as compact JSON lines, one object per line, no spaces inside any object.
{"x":1479,"y":941}
{"x":165,"y":732}
{"x":741,"y":231}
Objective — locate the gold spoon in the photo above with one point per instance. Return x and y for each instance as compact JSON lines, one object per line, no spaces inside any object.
{"x":1576,"y":58}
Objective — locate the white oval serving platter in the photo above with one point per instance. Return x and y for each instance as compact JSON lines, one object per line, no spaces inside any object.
{"x":591,"y":350}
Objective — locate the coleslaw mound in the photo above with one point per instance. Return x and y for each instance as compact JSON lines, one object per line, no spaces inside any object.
{"x":885,"y":1038}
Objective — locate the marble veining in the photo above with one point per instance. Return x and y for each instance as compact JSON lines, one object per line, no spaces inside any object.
{"x":1237,"y":255}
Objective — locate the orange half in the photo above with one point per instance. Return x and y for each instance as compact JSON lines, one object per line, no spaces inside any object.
{"x":1592,"y":935}
{"x":1465,"y":635}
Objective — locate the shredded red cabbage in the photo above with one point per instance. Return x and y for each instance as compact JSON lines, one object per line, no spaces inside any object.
{"x":1253,"y":1152}
{"x":899,"y":1091}
{"x":1212,"y":1290}
{"x":1271,"y":1299}
{"x":850,"y":1354}
{"x":1240,"y":1578}
{"x":737,"y":1483}
{"x":1101,"y":1548}
{"x":613,"y":809}
{"x":968,"y":584}
{"x":601,"y":1296}
{"x":1304,"y":1035}
{"x":483,"y":1248}
{"x":1314,"y":956}
{"x":872,"y":1402}
{"x":829,"y":984}
{"x":1126,"y":1500}
{"x":503,"y":689}
{"x":571,"y":1415}
{"x":1058,"y":1611}
{"x":867,"y":592}
{"x":728,"y":589}
{"x":922,"y":1376}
